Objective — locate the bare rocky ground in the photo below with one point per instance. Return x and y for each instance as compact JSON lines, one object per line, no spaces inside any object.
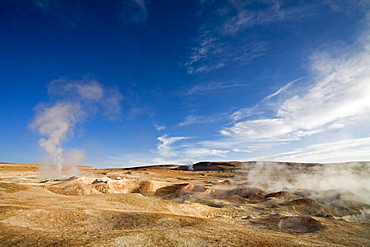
{"x":212,"y":204}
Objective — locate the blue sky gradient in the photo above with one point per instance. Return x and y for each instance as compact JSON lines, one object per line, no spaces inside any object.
{"x":124,"y":83}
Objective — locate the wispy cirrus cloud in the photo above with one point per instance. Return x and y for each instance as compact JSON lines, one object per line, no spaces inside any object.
{"x":254,"y":110}
{"x":237,"y":115}
{"x":217,"y":46}
{"x":214,"y":87}
{"x":270,"y":12}
{"x":135,"y":11}
{"x":347,"y":6}
{"x":214,"y":52}
{"x":190,"y":120}
{"x":196,"y":119}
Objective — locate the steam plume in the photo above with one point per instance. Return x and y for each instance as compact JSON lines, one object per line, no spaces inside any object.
{"x":351,"y":181}
{"x":71,"y":103}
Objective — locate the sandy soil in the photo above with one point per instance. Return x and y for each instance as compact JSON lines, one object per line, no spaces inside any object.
{"x":215,"y":204}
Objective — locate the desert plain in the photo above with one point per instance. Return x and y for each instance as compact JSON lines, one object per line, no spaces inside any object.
{"x":204,"y":204}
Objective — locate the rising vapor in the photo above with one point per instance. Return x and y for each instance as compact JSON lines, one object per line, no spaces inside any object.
{"x":71,"y":103}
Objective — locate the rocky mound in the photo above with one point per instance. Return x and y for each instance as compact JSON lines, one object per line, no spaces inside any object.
{"x":291,"y":224}
{"x":175,"y":190}
{"x":72,"y":188}
{"x":307,"y":206}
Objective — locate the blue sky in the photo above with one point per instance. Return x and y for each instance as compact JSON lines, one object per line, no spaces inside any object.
{"x":124,"y":83}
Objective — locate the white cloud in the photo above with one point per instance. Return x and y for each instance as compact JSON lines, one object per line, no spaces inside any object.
{"x":340,"y":94}
{"x":332,"y":103}
{"x":190,"y":120}
{"x":170,"y":150}
{"x":182,"y":153}
{"x":159,"y":127}
{"x":204,"y":152}
{"x":90,"y":91}
{"x":164,"y":148}
{"x":243,"y":113}
{"x":258,"y":129}
{"x":338,"y":151}
{"x":249,"y":111}
{"x":283,"y":89}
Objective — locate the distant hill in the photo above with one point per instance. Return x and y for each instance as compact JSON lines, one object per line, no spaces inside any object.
{"x":200,"y":166}
{"x":238,"y":165}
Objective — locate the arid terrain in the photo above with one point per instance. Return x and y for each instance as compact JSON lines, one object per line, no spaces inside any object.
{"x":206,"y":204}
